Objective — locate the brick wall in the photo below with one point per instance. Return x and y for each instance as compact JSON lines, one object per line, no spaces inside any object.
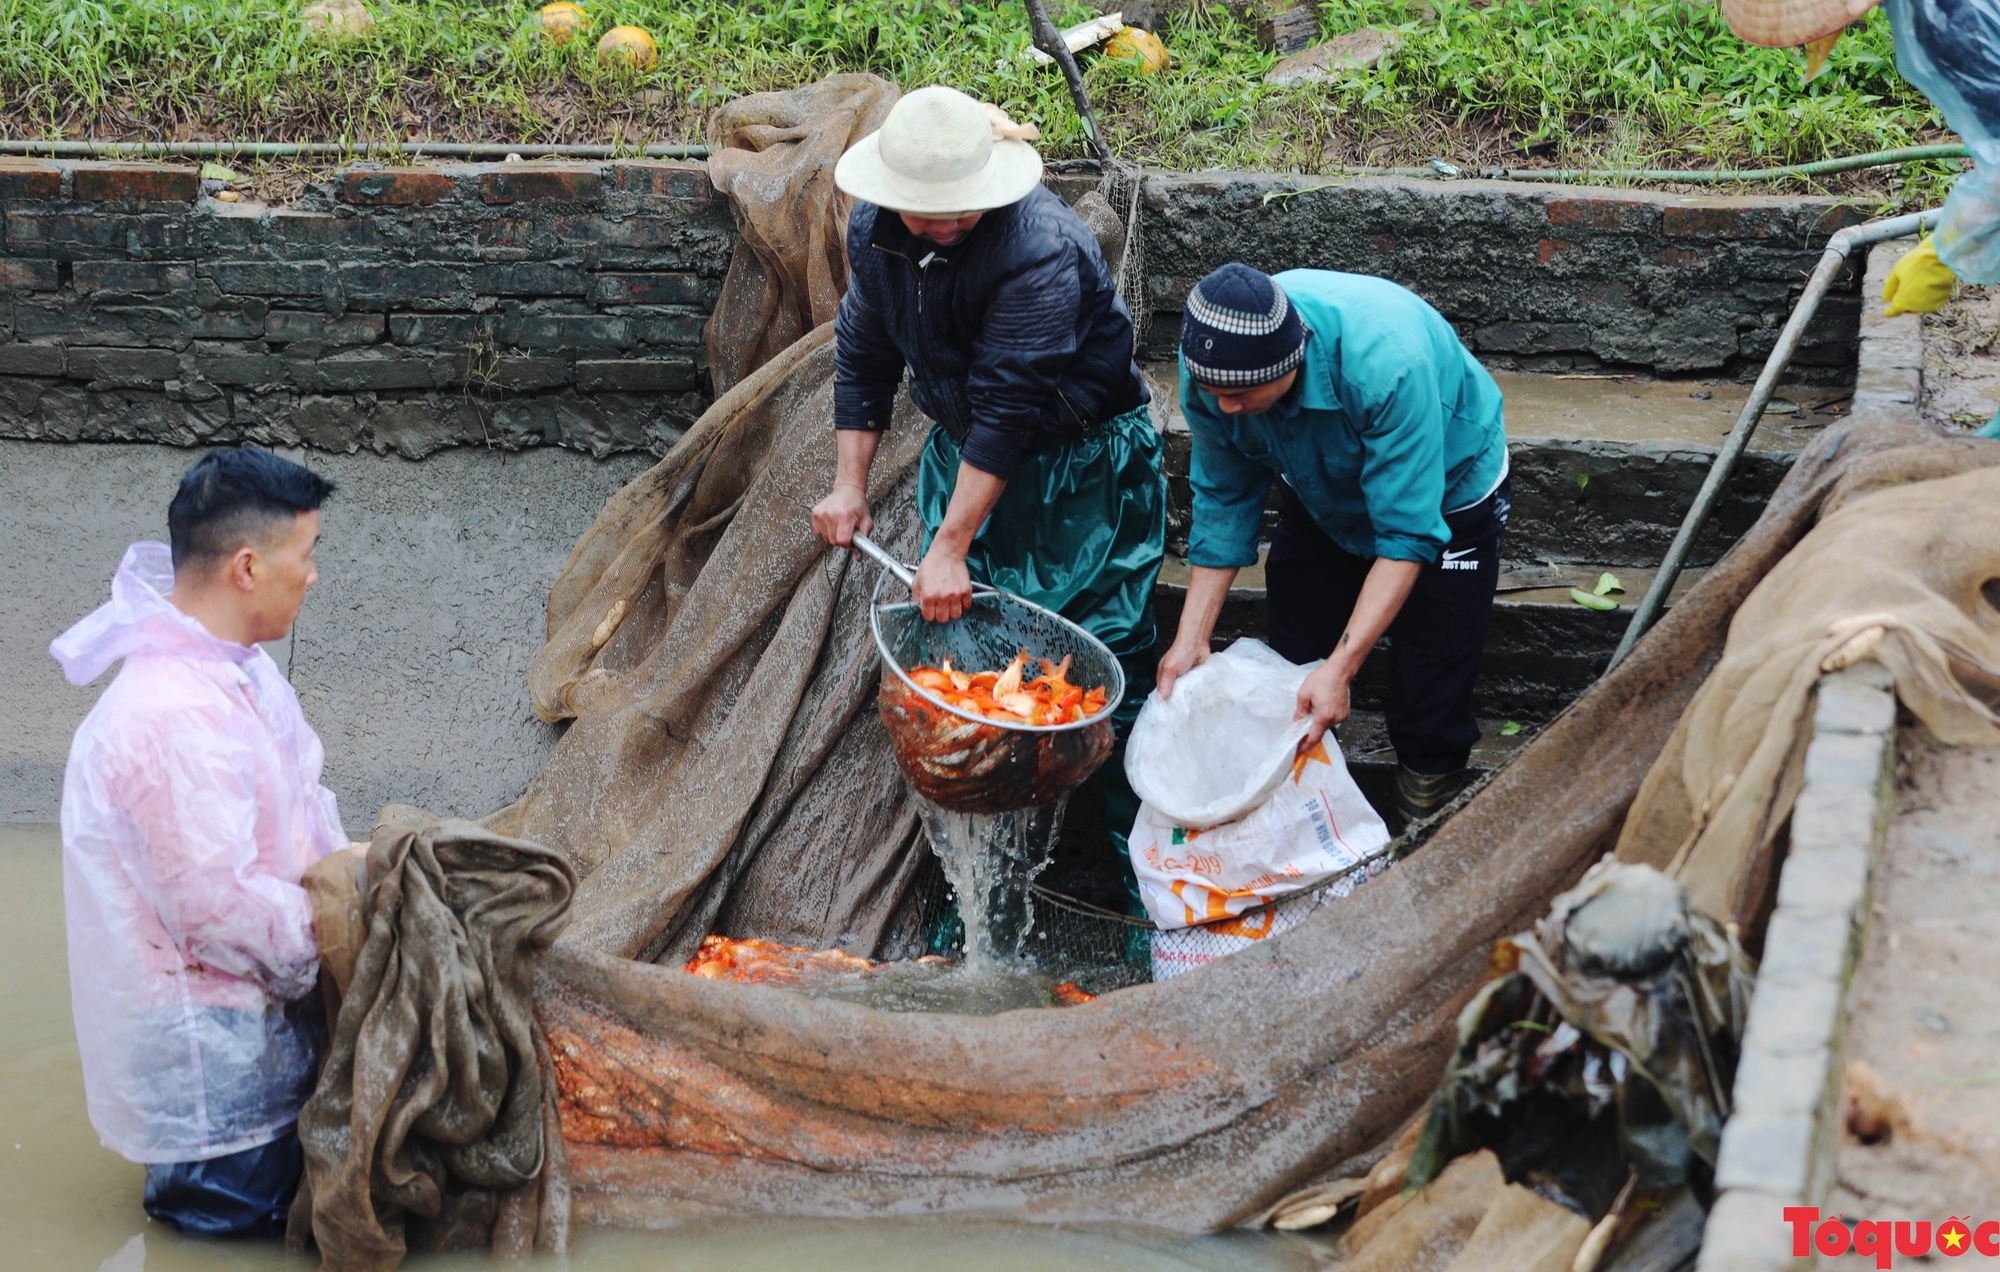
{"x":406,"y":310}
{"x":399,"y":311}
{"x":1534,"y":277}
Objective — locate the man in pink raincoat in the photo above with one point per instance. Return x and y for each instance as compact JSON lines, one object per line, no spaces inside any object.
{"x":191,"y":807}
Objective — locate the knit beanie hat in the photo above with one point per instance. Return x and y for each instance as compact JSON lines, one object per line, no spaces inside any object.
{"x":1239,"y":330}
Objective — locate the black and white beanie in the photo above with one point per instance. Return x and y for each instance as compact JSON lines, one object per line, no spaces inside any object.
{"x":1238,"y":330}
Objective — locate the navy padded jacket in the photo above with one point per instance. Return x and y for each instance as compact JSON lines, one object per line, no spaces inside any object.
{"x":1014,"y":337}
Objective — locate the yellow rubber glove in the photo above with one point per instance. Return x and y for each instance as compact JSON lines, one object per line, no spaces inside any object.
{"x":1920,"y":283}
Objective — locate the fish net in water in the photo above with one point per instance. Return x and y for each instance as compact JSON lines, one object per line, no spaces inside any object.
{"x":723,"y":759}
{"x":1100,"y":949}
{"x":1069,"y":945}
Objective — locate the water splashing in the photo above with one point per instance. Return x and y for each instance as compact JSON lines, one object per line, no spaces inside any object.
{"x":990,"y":859}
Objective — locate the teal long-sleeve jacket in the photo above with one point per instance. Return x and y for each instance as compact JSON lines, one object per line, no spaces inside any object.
{"x":1392,"y":424}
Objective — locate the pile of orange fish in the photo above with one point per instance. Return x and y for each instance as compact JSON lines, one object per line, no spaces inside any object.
{"x":750,"y":961}
{"x":756,"y":962}
{"x":1009,"y":697}
{"x":1071,"y":994}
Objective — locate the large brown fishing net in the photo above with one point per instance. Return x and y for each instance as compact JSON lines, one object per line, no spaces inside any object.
{"x":724,"y":769}
{"x":713,"y":656}
{"x":430,"y":1126}
{"x":1903,"y":576}
{"x":1197,"y":1102}
{"x":772,"y":154}
{"x":710,"y":651}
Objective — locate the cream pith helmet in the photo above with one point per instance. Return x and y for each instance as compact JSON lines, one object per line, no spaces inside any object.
{"x":937,"y":154}
{"x":1780,"y":24}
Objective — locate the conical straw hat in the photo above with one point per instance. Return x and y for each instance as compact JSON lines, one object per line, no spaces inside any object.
{"x":1780,"y":24}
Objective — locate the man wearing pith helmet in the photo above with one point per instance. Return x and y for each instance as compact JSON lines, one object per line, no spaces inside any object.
{"x":1387,"y":435}
{"x":1042,"y":475}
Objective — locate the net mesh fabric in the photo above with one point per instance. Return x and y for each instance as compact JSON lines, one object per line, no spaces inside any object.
{"x":710,"y":654}
{"x":1125,"y":189}
{"x":1103,"y":949}
{"x":1225,"y":1088}
{"x":722,"y":769}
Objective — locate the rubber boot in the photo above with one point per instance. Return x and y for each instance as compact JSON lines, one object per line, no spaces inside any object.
{"x":1991,"y":428}
{"x":1418,"y":795}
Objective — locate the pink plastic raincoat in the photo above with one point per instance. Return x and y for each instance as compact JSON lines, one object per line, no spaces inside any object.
{"x":191,"y":807}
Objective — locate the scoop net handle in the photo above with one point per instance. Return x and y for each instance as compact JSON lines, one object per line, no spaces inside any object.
{"x":883,"y":559}
{"x":901,"y":571}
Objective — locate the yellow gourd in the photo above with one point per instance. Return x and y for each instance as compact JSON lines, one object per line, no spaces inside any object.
{"x":563,"y":21}
{"x":335,"y":20}
{"x":1141,"y":47}
{"x":630,"y":43}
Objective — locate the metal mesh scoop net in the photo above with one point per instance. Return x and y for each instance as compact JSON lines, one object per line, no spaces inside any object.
{"x":966,"y":762}
{"x":970,"y":763}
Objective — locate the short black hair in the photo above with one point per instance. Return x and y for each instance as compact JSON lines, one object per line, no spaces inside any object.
{"x":233,"y":495}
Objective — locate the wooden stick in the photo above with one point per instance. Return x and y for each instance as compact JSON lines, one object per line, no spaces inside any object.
{"x":1050,"y":41}
{"x":1591,"y":1253}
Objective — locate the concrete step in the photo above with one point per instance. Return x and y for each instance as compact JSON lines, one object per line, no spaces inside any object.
{"x":1609,"y":406}
{"x":1604,"y":467}
{"x":1609,"y":502}
{"x":1364,"y":743}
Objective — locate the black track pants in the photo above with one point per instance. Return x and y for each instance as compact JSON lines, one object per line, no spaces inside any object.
{"x":1435,"y":641}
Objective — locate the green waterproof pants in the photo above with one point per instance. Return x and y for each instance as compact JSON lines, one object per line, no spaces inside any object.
{"x":1080,"y":529}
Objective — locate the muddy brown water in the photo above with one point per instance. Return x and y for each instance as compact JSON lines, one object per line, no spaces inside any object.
{"x":68,"y":1203}
{"x":1616,"y":408}
{"x":1620,"y":408}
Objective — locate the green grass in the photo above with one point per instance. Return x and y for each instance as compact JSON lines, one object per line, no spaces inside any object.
{"x":1653,"y":82}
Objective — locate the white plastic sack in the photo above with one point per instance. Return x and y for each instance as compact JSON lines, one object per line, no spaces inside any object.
{"x":1223,"y":742}
{"x":1232,"y":818}
{"x":1184,"y":949}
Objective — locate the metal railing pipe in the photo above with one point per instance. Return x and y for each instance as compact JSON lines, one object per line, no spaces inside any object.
{"x":1732,"y":176}
{"x":337,"y":150}
{"x":86,"y":149}
{"x":1724,"y":465}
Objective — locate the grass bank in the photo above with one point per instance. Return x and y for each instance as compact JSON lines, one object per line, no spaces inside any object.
{"x":1654,"y":83}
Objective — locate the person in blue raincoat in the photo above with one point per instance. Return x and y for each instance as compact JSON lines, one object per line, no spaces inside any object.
{"x":1950,"y":50}
{"x":1389,"y":441}
{"x":1042,"y":476}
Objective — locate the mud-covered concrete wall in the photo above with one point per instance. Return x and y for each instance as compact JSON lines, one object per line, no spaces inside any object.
{"x":1621,"y":503}
{"x":1534,"y":277}
{"x":516,"y":305}
{"x":468,"y":313}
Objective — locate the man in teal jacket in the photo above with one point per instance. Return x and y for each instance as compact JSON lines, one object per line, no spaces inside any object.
{"x":1388,"y":437}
